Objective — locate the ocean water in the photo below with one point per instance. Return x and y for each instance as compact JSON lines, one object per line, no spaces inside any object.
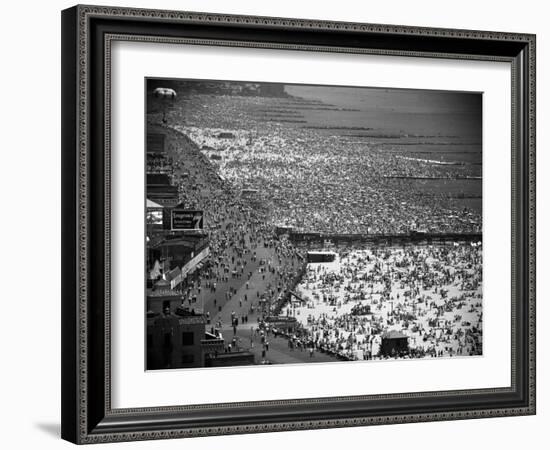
{"x":455,"y":116}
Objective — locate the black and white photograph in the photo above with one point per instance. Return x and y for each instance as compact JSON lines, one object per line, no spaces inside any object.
{"x":294,"y":223}
{"x":275,"y":225}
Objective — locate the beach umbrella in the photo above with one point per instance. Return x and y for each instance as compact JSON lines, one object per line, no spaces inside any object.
{"x":166,"y":97}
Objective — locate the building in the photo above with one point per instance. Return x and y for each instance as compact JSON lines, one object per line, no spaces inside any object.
{"x":162,"y":298}
{"x":394,"y":343}
{"x":187,"y":251}
{"x":164,"y":194}
{"x":321,"y":257}
{"x":173,"y":340}
{"x":159,"y":163}
{"x":156,"y":143}
{"x":158,"y":179}
{"x":178,"y":339}
{"x":159,"y":182}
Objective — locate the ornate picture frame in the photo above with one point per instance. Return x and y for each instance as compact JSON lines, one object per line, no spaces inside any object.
{"x":88,"y":33}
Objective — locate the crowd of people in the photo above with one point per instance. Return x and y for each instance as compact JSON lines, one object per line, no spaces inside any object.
{"x":249,"y":268}
{"x":316,"y":181}
{"x":250,"y":176}
{"x":432,"y":295}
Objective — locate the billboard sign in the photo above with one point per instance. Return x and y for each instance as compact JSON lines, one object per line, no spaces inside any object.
{"x":184,"y":219}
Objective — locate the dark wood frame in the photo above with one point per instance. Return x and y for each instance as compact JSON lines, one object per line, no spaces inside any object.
{"x":87,"y":32}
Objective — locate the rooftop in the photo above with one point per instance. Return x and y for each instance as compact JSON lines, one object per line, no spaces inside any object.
{"x":394,"y":334}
